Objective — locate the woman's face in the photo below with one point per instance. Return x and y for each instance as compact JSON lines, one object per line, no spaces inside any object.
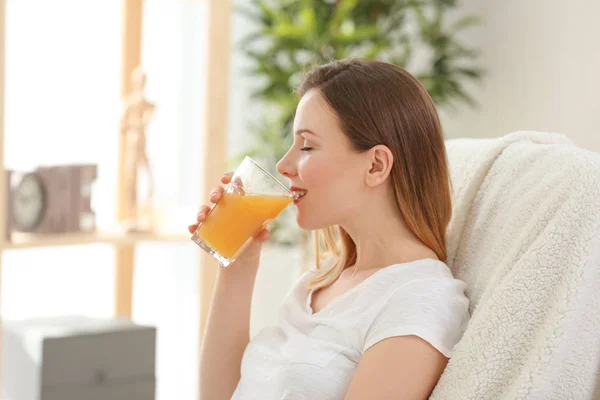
{"x":323,"y":163}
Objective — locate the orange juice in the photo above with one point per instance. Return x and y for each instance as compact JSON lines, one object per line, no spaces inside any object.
{"x":236,"y":218}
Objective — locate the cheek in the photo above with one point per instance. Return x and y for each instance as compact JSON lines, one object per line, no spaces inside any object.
{"x":316,"y":174}
{"x":330,"y":185}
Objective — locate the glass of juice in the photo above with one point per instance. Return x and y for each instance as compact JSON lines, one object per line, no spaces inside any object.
{"x":250,"y":201}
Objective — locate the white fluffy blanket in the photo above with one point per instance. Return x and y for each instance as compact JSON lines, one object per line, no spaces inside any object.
{"x":525,"y":237}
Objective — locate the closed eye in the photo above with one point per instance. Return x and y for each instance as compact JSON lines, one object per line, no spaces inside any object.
{"x":306,"y":149}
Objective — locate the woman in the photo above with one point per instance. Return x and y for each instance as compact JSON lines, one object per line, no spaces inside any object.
{"x":379,"y":318}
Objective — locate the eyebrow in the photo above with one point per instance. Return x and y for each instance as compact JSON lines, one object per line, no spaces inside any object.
{"x":301,"y":131}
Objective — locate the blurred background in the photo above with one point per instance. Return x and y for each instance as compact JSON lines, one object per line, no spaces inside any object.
{"x":491,"y":67}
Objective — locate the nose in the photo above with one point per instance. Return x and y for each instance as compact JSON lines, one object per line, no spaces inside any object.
{"x":286,"y":166}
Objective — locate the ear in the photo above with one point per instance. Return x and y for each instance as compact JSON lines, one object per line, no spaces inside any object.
{"x":381,"y":161}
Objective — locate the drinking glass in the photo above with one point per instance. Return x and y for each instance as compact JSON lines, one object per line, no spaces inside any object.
{"x":249,"y":203}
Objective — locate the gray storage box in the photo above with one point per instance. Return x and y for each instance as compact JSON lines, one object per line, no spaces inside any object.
{"x":78,"y":358}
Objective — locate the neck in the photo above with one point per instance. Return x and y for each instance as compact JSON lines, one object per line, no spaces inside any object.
{"x":381,"y":235}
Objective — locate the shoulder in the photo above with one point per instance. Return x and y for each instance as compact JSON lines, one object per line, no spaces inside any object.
{"x":426,"y":268}
{"x":430,"y":275}
{"x":424,"y":300}
{"x":427,"y":285}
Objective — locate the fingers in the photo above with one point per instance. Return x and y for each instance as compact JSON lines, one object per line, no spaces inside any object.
{"x":192,"y":228}
{"x":200,"y":217}
{"x":262,"y":236}
{"x":202,"y":213}
{"x":216,"y":194}
{"x":226,"y":178}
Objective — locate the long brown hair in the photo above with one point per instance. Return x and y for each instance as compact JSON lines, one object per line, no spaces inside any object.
{"x":382,"y":104}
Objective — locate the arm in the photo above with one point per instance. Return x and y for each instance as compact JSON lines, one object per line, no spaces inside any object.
{"x":402,"y":367}
{"x":227,"y":331}
{"x":228,"y":324}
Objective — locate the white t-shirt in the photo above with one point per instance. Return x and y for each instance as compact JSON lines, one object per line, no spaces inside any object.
{"x":314,"y":355}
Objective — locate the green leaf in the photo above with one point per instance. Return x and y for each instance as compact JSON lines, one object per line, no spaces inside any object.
{"x":308,"y":17}
{"x":421,"y":19}
{"x":376,"y":48}
{"x":358,"y":35}
{"x":342,"y":12}
{"x":474,"y":73}
{"x":458,"y":51}
{"x":273,"y":16}
{"x":466,"y":22}
{"x":286,"y":31}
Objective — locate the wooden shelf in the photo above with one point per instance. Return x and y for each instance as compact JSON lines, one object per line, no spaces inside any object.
{"x":24,"y":240}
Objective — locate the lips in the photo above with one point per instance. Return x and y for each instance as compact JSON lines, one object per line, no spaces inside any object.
{"x":299,"y":193}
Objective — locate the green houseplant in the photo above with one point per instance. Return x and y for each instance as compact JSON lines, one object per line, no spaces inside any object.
{"x":294,"y":35}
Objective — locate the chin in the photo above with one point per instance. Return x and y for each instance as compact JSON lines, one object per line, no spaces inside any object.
{"x":303,"y":224}
{"x":310,"y":223}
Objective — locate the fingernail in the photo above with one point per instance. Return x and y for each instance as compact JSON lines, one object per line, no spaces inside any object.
{"x":201,"y":215}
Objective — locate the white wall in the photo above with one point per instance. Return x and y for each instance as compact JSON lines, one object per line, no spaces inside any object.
{"x":543,"y":62}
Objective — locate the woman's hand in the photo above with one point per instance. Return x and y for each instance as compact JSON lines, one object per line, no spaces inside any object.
{"x":252,"y":252}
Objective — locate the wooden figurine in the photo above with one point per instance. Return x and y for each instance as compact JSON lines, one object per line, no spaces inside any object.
{"x":134,"y":121}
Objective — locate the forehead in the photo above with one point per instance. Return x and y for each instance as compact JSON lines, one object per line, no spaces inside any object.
{"x":314,"y":113}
